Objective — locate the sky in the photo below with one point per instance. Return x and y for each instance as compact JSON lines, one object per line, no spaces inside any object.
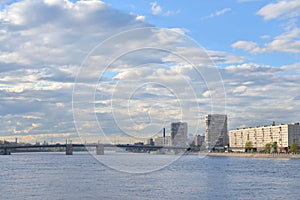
{"x":123,"y":70}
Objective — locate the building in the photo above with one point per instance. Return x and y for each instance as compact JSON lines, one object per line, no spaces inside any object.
{"x":150,"y":142}
{"x":215,"y":131}
{"x":163,"y":141}
{"x":199,"y":140}
{"x":179,"y":134}
{"x":284,"y":135}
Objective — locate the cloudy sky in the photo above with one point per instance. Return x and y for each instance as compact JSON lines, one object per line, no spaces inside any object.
{"x":87,"y":69}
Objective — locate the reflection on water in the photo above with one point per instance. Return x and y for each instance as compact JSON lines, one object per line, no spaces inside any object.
{"x":81,"y":176}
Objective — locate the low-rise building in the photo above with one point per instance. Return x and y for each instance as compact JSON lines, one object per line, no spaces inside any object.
{"x":284,"y":135}
{"x":199,"y":140}
{"x":163,"y":141}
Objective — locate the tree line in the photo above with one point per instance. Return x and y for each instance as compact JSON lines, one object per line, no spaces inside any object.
{"x":272,"y":147}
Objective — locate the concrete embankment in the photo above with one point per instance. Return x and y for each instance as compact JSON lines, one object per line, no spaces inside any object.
{"x":256,"y":155}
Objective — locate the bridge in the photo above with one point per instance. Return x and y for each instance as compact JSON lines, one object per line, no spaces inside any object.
{"x":8,"y":149}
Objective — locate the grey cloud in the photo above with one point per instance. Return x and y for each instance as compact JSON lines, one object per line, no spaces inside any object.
{"x":19,"y":106}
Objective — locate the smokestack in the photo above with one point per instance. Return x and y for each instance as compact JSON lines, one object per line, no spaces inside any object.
{"x":164,"y":132}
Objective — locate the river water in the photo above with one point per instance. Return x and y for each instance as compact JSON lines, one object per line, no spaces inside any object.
{"x":82,"y":176}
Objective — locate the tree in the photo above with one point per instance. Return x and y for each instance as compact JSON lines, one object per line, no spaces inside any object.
{"x":274,"y":147}
{"x":248,"y":146}
{"x":268,"y":147}
{"x":294,"y":148}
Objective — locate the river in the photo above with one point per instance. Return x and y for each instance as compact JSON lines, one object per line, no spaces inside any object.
{"x":82,"y":176}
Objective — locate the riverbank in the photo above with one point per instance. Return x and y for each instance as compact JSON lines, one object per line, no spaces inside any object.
{"x":255,"y":155}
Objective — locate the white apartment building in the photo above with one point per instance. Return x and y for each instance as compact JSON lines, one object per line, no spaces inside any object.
{"x":179,"y":134}
{"x":284,"y":135}
{"x":215,"y":131}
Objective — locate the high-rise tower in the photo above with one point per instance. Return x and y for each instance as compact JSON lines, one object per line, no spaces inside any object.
{"x":179,"y":134}
{"x":215,"y":131}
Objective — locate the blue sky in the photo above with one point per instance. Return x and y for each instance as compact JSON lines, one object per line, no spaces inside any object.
{"x":217,"y":24}
{"x":48,"y":47}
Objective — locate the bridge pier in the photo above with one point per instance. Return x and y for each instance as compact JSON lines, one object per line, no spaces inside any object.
{"x":69,"y":149}
{"x":100,"y":149}
{"x":5,"y":152}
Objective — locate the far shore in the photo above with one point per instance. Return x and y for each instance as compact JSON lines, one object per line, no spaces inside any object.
{"x":255,"y":155}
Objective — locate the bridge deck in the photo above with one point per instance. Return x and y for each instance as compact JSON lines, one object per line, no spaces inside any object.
{"x":90,"y":145}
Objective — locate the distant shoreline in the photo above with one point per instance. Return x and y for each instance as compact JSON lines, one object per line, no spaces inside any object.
{"x":255,"y":155}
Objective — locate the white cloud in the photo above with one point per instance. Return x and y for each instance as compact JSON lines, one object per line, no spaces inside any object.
{"x":259,"y":94}
{"x":251,"y":67}
{"x":265,"y":37}
{"x":155,"y":8}
{"x":295,"y":66}
{"x":218,"y":13}
{"x":75,"y":28}
{"x":288,"y":42}
{"x":140,"y":18}
{"x":240,"y":89}
{"x":283,"y":8}
{"x":171,"y":12}
{"x":206,"y":56}
{"x":44,"y":42}
{"x":248,"y":46}
{"x":248,"y":83}
{"x":42,"y":45}
{"x":222,"y":12}
{"x":208,"y":93}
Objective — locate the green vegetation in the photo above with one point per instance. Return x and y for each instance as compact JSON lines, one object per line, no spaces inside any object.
{"x":248,"y":146}
{"x":274,"y":146}
{"x":294,"y":148}
{"x":270,"y":148}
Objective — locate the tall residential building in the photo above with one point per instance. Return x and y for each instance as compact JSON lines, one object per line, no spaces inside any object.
{"x":215,"y":131}
{"x":179,"y":134}
{"x":284,"y":135}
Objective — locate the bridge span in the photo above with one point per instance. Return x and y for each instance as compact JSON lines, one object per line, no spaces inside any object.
{"x":8,"y":149}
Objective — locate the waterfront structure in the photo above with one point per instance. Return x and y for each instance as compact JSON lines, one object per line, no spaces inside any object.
{"x":199,"y":140}
{"x":284,"y":135}
{"x":216,"y":131}
{"x":179,"y":134}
